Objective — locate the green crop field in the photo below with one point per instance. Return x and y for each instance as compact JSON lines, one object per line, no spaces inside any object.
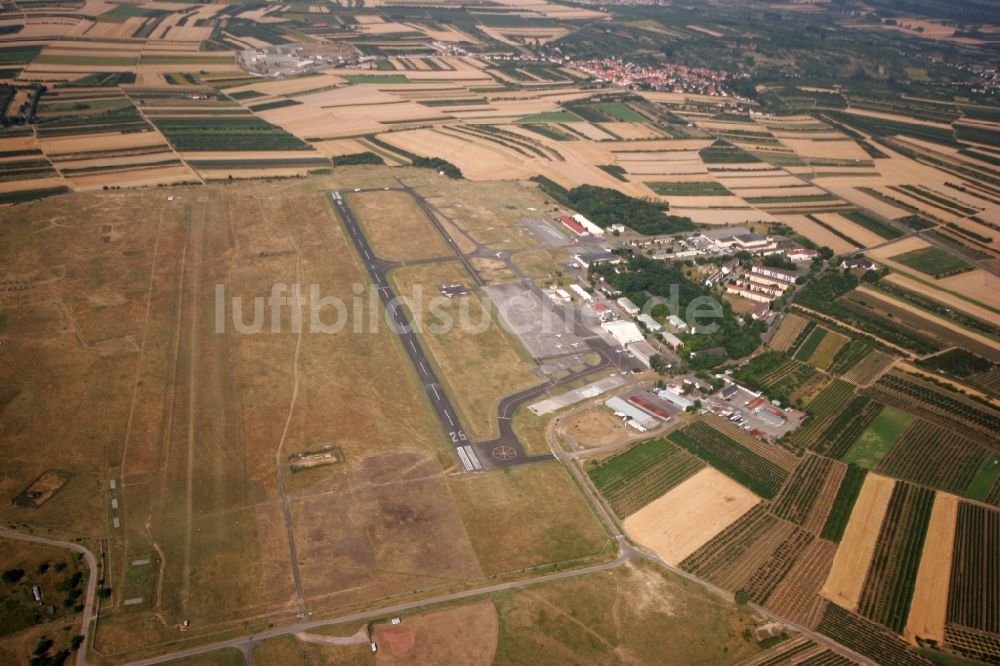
{"x":377,"y":78}
{"x":552,"y":117}
{"x":633,"y":479}
{"x":932,"y":261}
{"x":869,"y":449}
{"x":985,"y":479}
{"x":699,"y":189}
{"x":621,"y":112}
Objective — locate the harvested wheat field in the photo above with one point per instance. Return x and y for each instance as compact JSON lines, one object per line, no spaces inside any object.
{"x":976,"y":284}
{"x":929,"y":607}
{"x":850,"y":565}
{"x":940,"y":296}
{"x":679,"y":522}
{"x":789,"y":329}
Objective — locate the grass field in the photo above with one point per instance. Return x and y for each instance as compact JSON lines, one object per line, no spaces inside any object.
{"x":477,"y":361}
{"x":593,"y":620}
{"x":621,"y":112}
{"x":869,"y":449}
{"x":396,"y":227}
{"x":985,"y":479}
{"x":527,"y":516}
{"x":201,"y":423}
{"x":932,"y":261}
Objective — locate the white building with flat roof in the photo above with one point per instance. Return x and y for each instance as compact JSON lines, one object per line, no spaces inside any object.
{"x":588,"y":225}
{"x":651,"y":324}
{"x":624,"y":332}
{"x":630,"y":308}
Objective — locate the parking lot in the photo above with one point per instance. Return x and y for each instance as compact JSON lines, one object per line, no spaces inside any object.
{"x":544,"y":329}
{"x":750,"y":411}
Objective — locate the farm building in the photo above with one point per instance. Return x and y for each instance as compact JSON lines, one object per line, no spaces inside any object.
{"x":573,"y":225}
{"x":859,"y":263}
{"x":677,"y":323}
{"x":651,"y":324}
{"x":630,"y":308}
{"x":729,"y":391}
{"x":624,"y":332}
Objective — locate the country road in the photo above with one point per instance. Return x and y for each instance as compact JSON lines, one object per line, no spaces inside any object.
{"x":245,"y":643}
{"x":88,"y":604}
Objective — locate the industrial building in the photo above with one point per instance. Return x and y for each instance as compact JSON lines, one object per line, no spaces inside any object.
{"x":630,"y":308}
{"x":674,"y":398}
{"x":651,"y":324}
{"x":671,"y":340}
{"x":624,"y":332}
{"x":573,"y":225}
{"x":637,"y":418}
{"x":582,"y":293}
{"x":588,"y":225}
{"x":587,"y":259}
{"x":643,"y":352}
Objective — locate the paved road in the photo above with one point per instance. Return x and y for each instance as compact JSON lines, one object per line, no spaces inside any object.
{"x":475,"y":456}
{"x":246,"y":643}
{"x":378,"y":269}
{"x":88,"y":604}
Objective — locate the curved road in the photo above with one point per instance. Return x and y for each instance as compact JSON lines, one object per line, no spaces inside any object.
{"x":88,"y":605}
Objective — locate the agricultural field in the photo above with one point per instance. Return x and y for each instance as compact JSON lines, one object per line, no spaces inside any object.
{"x":846,"y":582}
{"x":821,"y":348}
{"x":679,"y":522}
{"x":972,"y":599}
{"x":750,"y":469}
{"x":889,"y":587}
{"x":790,"y":329}
{"x":932,"y":456}
{"x":871,"y":446}
{"x":165,"y":178}
{"x":631,"y":480}
{"x":932,"y":261}
{"x":948,"y":410}
{"x":836,"y":418}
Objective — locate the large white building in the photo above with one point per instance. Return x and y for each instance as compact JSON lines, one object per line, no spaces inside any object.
{"x":651,"y":324}
{"x":630,"y":308}
{"x":588,"y":225}
{"x":624,"y":332}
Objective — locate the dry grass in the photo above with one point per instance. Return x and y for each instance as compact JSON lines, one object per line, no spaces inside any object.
{"x":396,"y":226}
{"x":432,"y":638}
{"x":478,"y":367}
{"x":527,"y":516}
